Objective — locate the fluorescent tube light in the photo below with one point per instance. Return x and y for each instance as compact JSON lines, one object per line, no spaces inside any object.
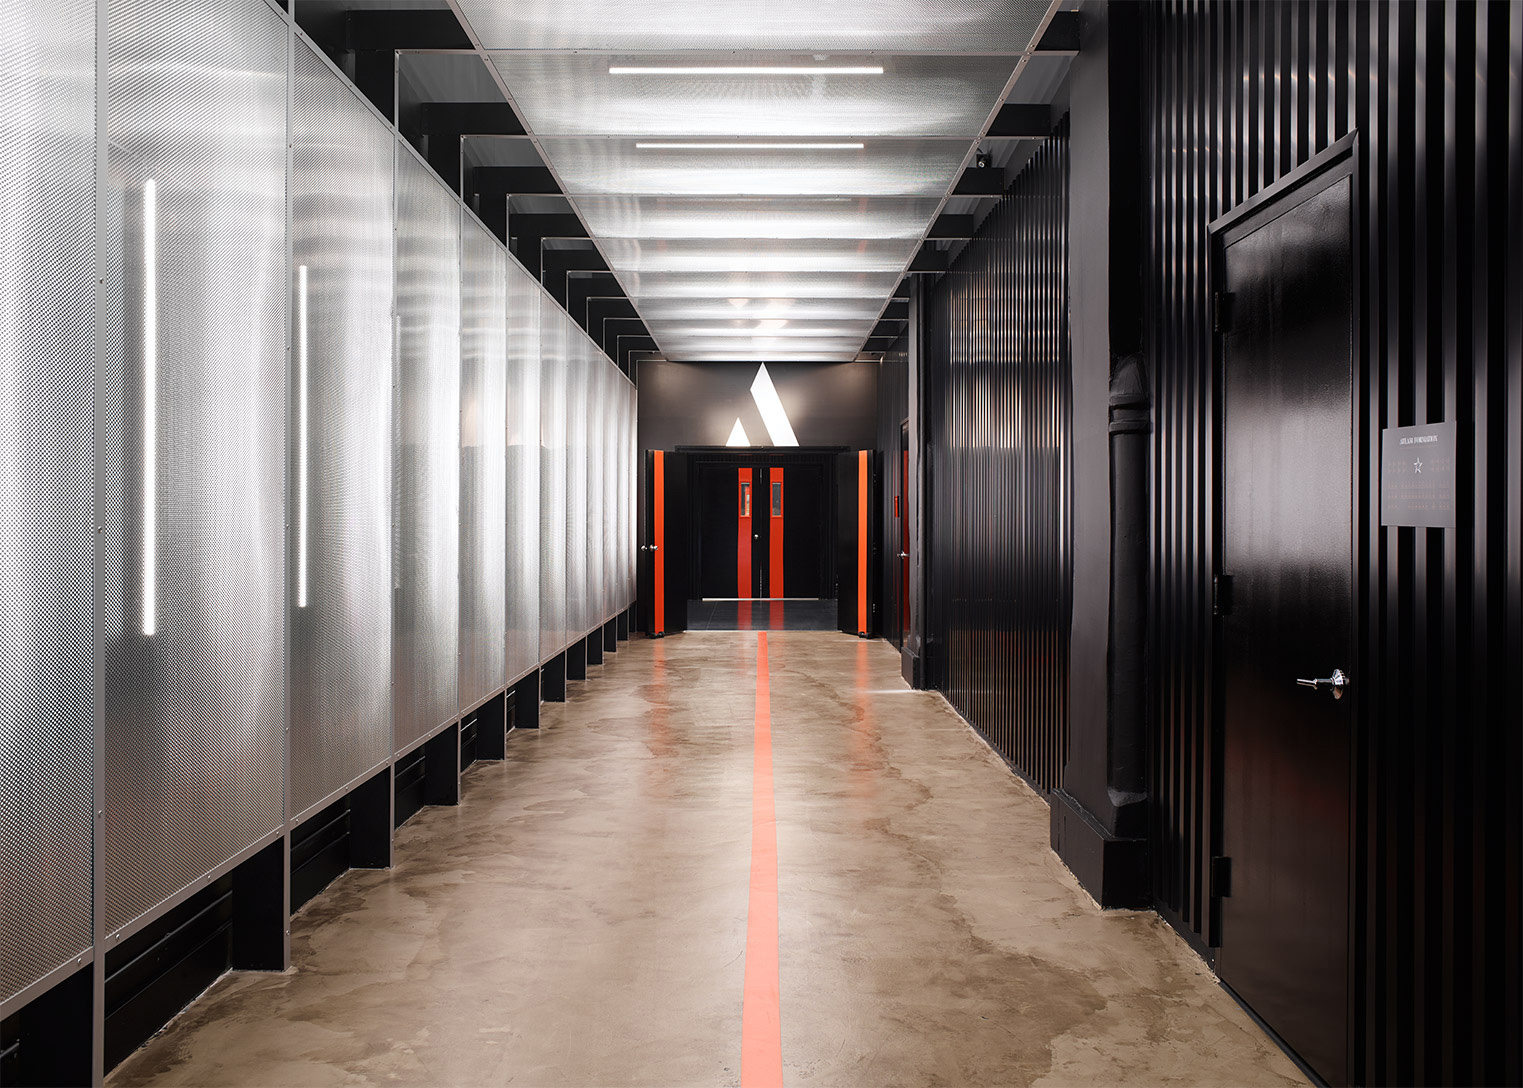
{"x":150,"y":404}
{"x":645,"y":145}
{"x":745,"y":69}
{"x":301,"y":437}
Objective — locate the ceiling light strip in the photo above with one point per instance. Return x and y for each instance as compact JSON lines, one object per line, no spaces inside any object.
{"x":744,"y":70}
{"x":732,"y":145}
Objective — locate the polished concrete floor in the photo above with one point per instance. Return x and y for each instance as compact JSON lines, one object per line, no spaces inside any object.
{"x":580,"y":919}
{"x":762,"y":615}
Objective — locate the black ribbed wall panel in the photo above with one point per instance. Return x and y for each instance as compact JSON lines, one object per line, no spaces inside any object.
{"x":1000,"y":528}
{"x":1237,"y":95}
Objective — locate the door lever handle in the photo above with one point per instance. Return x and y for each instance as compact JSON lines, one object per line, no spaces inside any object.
{"x":1336,"y":683}
{"x":904,"y":555}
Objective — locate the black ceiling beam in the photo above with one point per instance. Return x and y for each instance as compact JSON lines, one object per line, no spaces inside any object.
{"x":1061,"y":35}
{"x":613,"y":328}
{"x":879,"y":343}
{"x":888,"y":327}
{"x":898,"y":309}
{"x":929,"y":260}
{"x":577,"y":286}
{"x":600,"y":308}
{"x":390,"y":29}
{"x":980,"y":181}
{"x":560,"y":267}
{"x":469,"y":119}
{"x":952,"y":227}
{"x":626,"y":346}
{"x":546,"y":225}
{"x":372,"y":37}
{"x":513,"y":181}
{"x":1021,"y":121}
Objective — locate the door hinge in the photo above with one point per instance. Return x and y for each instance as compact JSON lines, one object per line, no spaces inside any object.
{"x":1221,"y":595}
{"x":1221,"y":877}
{"x":1221,"y":311}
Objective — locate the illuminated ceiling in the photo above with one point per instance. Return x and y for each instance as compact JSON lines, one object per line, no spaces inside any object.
{"x":759,"y":175}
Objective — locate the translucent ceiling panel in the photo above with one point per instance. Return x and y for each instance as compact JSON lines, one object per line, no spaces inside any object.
{"x":713,"y":354}
{"x":757,"y":255}
{"x":640,"y":286}
{"x":671,"y":334}
{"x":664,"y":310}
{"x":756,"y":217}
{"x":894,"y":25}
{"x":721,"y":168}
{"x":728,"y":347}
{"x":758,"y":94}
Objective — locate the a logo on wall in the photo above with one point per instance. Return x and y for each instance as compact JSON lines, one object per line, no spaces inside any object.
{"x":774,"y":416}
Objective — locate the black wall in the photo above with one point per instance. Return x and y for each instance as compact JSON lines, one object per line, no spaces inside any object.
{"x":696,"y":404}
{"x":1236,"y":96}
{"x":997,"y":382}
{"x":893,"y":412}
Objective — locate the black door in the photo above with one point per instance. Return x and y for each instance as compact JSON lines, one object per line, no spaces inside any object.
{"x":1287,"y":346}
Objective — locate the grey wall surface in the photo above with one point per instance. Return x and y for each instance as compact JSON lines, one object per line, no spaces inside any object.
{"x":696,"y":404}
{"x":193,"y":387}
{"x":553,"y":337}
{"x":47,"y":296}
{"x":340,"y":539}
{"x":427,"y":470}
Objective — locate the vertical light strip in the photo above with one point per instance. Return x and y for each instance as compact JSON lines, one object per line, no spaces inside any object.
{"x":301,"y":436}
{"x":150,"y":404}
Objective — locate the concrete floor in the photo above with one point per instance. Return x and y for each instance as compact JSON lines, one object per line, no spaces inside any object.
{"x":580,"y":919}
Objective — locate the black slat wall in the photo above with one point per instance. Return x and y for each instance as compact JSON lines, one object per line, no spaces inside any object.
{"x":893,"y":410}
{"x":1000,"y":534}
{"x":1237,"y":96}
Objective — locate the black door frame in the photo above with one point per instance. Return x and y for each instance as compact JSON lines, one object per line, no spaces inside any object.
{"x":1341,"y":159}
{"x":755,"y":457}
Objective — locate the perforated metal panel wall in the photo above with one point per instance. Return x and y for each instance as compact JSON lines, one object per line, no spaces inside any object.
{"x":483,"y":480}
{"x":553,"y":335}
{"x":427,"y":469}
{"x":47,"y":171}
{"x":597,"y":442}
{"x":340,"y":495}
{"x":578,"y":606}
{"x":193,"y":403}
{"x":521,"y":517}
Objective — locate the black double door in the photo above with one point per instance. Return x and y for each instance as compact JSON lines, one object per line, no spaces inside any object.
{"x":763,"y":528}
{"x":1286,"y":693}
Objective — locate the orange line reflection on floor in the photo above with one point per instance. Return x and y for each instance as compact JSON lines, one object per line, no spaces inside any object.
{"x":761,"y":1028}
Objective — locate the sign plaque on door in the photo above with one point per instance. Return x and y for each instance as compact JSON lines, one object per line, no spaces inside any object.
{"x":1417,"y":468}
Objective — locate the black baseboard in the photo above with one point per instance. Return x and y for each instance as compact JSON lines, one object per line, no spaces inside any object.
{"x":1114,"y":871}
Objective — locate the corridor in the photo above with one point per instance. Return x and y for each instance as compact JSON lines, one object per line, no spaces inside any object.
{"x":581,"y":917}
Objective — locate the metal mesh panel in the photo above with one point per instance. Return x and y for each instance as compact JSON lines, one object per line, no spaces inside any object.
{"x":47,"y":171}
{"x":578,"y":603}
{"x":760,"y":285}
{"x":193,"y":443}
{"x":426,"y":529}
{"x":483,"y":472}
{"x":340,"y":539}
{"x":522,"y":514}
{"x":924,"y":168}
{"x":553,"y":336}
{"x":853,"y":218}
{"x":888,"y":25}
{"x":758,"y":254}
{"x":597,"y":395}
{"x":611,"y":430}
{"x":577,"y":94}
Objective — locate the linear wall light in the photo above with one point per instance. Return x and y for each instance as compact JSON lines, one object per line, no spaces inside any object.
{"x":733,"y":146}
{"x":301,"y":437}
{"x":746,"y":70}
{"x":150,"y":404}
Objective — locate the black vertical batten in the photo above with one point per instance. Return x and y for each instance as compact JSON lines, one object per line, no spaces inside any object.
{"x":998,"y":408}
{"x":1237,"y":96}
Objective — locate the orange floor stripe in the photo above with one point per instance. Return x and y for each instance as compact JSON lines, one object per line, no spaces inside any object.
{"x":761,"y":1027}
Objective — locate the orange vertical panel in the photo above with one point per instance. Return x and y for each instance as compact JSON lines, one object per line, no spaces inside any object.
{"x":775,"y":538}
{"x":743,"y":535}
